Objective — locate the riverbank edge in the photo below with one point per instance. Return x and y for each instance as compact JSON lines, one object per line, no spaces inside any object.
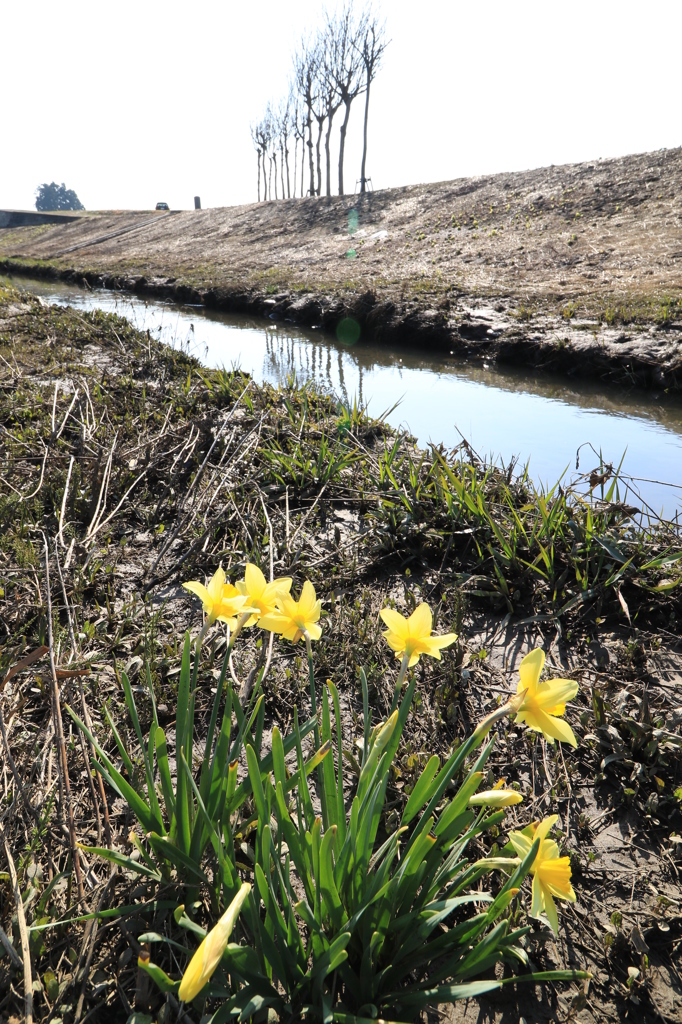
{"x":384,"y":322}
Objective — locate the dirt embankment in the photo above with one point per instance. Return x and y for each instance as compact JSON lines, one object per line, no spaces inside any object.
{"x":573,"y":268}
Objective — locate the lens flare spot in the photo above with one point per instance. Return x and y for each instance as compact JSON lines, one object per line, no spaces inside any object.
{"x":348,"y":331}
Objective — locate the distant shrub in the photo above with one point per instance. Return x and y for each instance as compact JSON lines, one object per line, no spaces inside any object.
{"x":57,"y":197}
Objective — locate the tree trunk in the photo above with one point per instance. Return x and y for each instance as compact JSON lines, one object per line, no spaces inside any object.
{"x":295,"y":162}
{"x":259,"y":175}
{"x":274,"y":160}
{"x":311,"y":167}
{"x":327,"y":153}
{"x":270,"y":179}
{"x":364,"y":140}
{"x":302,"y":164}
{"x":319,"y":163}
{"x":281,"y":166}
{"x":342,"y":144}
{"x":286,"y":160}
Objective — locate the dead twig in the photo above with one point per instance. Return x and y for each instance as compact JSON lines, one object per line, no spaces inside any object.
{"x":65,"y":785}
{"x":60,"y":536}
{"x":23,"y":931}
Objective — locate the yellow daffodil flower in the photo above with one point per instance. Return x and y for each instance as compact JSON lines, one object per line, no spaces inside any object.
{"x":412,"y":637}
{"x":551,"y":873}
{"x":259,"y":593}
{"x":294,"y":618}
{"x":220,"y":599}
{"x":210,"y":952}
{"x":495,"y":798}
{"x":544,"y":702}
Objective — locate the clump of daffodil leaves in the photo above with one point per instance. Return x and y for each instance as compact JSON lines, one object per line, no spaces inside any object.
{"x":330,"y":917}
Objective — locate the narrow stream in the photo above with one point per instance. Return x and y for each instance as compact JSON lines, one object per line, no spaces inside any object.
{"x":503,"y":412}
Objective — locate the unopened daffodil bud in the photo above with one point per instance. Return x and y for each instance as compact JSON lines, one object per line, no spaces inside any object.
{"x":210,"y":952}
{"x":495,"y":798}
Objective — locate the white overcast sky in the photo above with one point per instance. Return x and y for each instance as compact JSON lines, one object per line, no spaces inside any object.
{"x":134,"y":102}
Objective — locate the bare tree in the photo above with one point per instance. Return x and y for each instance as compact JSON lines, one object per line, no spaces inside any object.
{"x":285,"y":131}
{"x":305,"y":73}
{"x":298,"y":130}
{"x":330,"y":70}
{"x":373,"y":47}
{"x":271,"y":130}
{"x":330,"y":96}
{"x":260,"y":136}
{"x":319,"y":111}
{"x":347,"y":32}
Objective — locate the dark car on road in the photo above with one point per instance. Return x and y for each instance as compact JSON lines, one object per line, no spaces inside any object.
{"x":162,"y":206}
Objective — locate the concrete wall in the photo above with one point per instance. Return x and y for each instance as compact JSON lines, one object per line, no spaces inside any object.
{"x":24,"y":218}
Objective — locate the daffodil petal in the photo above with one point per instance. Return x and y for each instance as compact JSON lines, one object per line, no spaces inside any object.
{"x":550,"y":910}
{"x":396,"y":622}
{"x":554,"y":728}
{"x":522,"y":844}
{"x":396,"y":643}
{"x":282,"y":584}
{"x":420,"y":621}
{"x":314,"y":631}
{"x":425,"y":647}
{"x":200,"y":590}
{"x":254,"y":579}
{"x":215,"y":587}
{"x":530,"y":670}
{"x":545,"y":826}
{"x":538,"y":904}
{"x":307,"y":599}
{"x":287,"y":605}
{"x":554,"y":692}
{"x":273,"y":623}
{"x":441,"y":640}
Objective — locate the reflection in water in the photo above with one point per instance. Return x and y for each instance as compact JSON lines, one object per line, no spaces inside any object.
{"x":503,"y":412}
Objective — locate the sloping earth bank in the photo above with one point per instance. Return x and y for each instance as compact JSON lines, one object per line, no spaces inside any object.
{"x":573,"y":268}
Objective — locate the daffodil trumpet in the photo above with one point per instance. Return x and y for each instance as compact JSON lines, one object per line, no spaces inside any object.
{"x":551,"y":873}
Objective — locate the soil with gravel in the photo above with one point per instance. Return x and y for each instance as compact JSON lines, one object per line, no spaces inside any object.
{"x":573,"y":268}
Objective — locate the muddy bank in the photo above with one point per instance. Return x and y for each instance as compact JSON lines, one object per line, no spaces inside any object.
{"x":571,"y":269}
{"x":650,"y":357}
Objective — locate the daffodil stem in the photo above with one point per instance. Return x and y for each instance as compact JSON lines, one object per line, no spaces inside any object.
{"x":313,"y":705}
{"x":200,"y":639}
{"x":219,"y":691}
{"x":399,"y":681}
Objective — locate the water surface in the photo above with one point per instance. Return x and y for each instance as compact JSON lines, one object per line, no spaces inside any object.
{"x":503,"y":412}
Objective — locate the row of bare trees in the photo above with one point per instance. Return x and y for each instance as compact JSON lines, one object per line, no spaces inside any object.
{"x":330,"y":70}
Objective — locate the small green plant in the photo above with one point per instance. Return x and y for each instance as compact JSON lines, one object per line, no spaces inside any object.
{"x":354,"y":927}
{"x":194,"y":815}
{"x":349,"y":919}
